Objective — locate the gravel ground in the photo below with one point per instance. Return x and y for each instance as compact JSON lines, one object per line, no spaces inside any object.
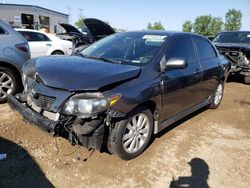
{"x":210,"y":148}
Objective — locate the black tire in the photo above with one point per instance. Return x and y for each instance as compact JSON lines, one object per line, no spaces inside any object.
{"x":117,"y":132}
{"x":15,"y":80}
{"x":247,"y":80}
{"x":215,"y":104}
{"x":57,"y":52}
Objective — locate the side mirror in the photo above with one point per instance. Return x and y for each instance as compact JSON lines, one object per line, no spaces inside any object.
{"x":176,"y":64}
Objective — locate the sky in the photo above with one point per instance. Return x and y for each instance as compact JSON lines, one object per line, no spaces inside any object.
{"x":136,"y":14}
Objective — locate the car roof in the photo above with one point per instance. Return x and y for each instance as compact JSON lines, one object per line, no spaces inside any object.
{"x":31,"y":30}
{"x":6,"y":27}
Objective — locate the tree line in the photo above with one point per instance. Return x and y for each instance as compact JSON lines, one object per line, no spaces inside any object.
{"x":207,"y":24}
{"x":210,"y":26}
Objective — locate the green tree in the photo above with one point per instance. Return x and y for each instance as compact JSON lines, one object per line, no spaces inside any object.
{"x":216,"y":26}
{"x":207,"y":25}
{"x":155,"y":26}
{"x":201,"y":25}
{"x":187,"y":26}
{"x":79,"y":23}
{"x":233,"y":20}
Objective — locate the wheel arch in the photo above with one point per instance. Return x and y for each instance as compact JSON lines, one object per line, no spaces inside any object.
{"x":12,"y":67}
{"x":152,"y":106}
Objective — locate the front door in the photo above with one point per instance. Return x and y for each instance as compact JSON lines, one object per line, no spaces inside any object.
{"x":181,"y":86}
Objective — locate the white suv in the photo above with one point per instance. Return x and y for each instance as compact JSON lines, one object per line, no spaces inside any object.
{"x":41,"y":43}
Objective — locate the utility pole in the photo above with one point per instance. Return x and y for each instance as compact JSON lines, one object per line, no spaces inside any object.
{"x":80,"y":13}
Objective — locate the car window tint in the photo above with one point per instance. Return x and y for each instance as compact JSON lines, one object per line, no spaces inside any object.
{"x":205,"y":49}
{"x":34,"y":37}
{"x":2,"y":31}
{"x":183,"y":49}
{"x":45,"y":38}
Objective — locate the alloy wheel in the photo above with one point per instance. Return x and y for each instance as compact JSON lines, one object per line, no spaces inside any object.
{"x":136,"y":133}
{"x":6,"y":85}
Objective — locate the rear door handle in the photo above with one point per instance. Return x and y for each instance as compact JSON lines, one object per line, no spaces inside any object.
{"x":48,"y":44}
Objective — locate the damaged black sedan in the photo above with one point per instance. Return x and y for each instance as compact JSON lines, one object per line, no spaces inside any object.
{"x":121,"y":90}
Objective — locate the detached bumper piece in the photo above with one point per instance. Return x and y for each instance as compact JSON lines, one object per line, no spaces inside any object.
{"x":92,"y":140}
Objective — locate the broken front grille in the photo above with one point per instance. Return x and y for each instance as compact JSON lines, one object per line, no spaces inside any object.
{"x":42,"y":101}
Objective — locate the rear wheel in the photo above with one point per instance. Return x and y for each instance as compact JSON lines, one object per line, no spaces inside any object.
{"x":8,"y":83}
{"x":58,"y":52}
{"x":217,"y":97}
{"x":247,"y":80}
{"x":130,"y":137}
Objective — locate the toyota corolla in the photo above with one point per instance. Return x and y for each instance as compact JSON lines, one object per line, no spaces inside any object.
{"x":121,"y":90}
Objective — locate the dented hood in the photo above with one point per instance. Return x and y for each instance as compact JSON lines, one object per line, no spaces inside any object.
{"x":75,"y":73}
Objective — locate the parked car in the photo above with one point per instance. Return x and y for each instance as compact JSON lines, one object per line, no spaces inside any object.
{"x":121,"y":90}
{"x":45,"y":43}
{"x":235,"y":45}
{"x":93,"y":30}
{"x":14,"y":52}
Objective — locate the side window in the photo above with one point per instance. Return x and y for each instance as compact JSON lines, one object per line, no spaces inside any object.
{"x":182,"y":48}
{"x":205,"y":49}
{"x":2,"y":31}
{"x":45,"y":38}
{"x":34,"y":37}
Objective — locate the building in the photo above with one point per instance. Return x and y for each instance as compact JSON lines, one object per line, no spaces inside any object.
{"x":32,"y":17}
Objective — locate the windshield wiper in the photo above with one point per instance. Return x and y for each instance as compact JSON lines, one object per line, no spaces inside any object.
{"x":100,"y":58}
{"x":108,"y":60}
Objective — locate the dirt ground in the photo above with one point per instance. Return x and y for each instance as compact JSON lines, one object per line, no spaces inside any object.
{"x":210,"y":148}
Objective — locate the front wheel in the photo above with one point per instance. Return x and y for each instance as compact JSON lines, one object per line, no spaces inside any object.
{"x":130,"y":137}
{"x":217,"y":97}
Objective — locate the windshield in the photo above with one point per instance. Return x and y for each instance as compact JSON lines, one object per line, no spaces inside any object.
{"x":128,"y":48}
{"x":240,"y":37}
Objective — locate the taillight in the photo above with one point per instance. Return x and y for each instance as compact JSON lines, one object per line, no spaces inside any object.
{"x":23,"y":47}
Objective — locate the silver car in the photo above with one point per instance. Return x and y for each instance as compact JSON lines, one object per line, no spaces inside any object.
{"x":14,"y":52}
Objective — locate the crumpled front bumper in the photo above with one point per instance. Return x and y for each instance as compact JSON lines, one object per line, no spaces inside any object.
{"x":93,"y":140}
{"x":245,"y":70}
{"x":33,"y":117}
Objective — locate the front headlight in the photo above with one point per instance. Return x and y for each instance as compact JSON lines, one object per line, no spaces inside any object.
{"x":88,"y":104}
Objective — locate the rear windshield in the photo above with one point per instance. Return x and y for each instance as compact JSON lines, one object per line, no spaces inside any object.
{"x":233,"y":38}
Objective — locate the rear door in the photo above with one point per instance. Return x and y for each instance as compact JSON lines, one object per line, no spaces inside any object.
{"x":210,"y":64}
{"x":181,"y":86}
{"x":38,"y":42}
